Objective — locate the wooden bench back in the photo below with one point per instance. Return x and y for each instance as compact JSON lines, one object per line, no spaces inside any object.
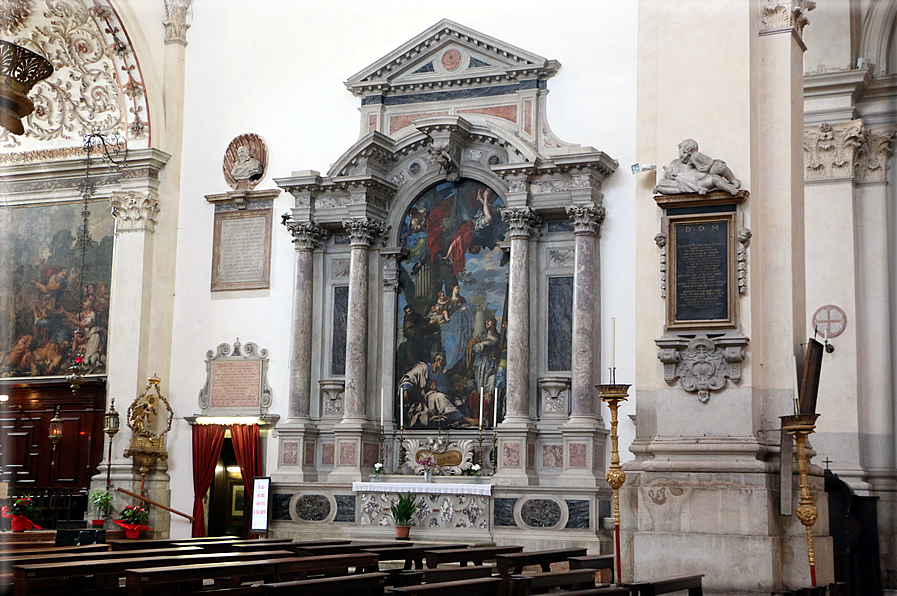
{"x":444,"y":574}
{"x":692,"y":583}
{"x":468,"y":587}
{"x":368,"y":584}
{"x":342,"y":549}
{"x":514,"y":563}
{"x":464,"y":555}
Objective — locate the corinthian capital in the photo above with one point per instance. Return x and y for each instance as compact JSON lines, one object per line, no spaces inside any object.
{"x":307,"y":235}
{"x":522,"y":222}
{"x":176,"y":21}
{"x":782,"y":15}
{"x":364,"y":231}
{"x":829,"y":150}
{"x":586,"y":218}
{"x":134,"y":211}
{"x":873,"y":153}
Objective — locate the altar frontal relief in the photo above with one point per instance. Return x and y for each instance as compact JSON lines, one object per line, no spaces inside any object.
{"x":452,"y":292}
{"x":41,"y":271}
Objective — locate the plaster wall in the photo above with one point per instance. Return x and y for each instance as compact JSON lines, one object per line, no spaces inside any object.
{"x":277,"y":71}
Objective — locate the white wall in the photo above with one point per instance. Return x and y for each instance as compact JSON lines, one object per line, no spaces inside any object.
{"x":276,"y":68}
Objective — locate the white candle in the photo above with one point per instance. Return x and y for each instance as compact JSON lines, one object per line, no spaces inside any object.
{"x":382,"y":406}
{"x":481,"y":408}
{"x":495,"y":409}
{"x":796,"y":386}
{"x":613,"y":343}
{"x":402,"y":408}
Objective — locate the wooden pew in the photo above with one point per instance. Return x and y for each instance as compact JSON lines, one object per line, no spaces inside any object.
{"x":174,"y":580}
{"x":692,"y":583}
{"x":79,"y":576}
{"x":464,"y":555}
{"x":597,"y":562}
{"x":469,"y":587}
{"x":514,"y":563}
{"x":62,"y":557}
{"x":367,"y":584}
{"x":444,"y":574}
{"x":410,"y":554}
{"x":220,"y":546}
{"x":605,"y":591}
{"x":124,"y":544}
{"x":343,"y":549}
{"x":540,"y":583}
{"x":89,"y":548}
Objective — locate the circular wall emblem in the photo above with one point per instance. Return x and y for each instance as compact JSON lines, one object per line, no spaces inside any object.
{"x":451,"y":60}
{"x":829,"y":320}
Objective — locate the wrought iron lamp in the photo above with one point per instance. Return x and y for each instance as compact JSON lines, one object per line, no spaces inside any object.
{"x":111,"y":423}
{"x":55,"y":434}
{"x":20,"y":70}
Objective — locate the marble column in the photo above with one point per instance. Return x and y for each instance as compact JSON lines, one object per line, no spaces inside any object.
{"x":391,"y":258}
{"x":586,"y":223}
{"x":307,"y":238}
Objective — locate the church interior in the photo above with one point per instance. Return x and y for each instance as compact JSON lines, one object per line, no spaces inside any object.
{"x":609,"y":280}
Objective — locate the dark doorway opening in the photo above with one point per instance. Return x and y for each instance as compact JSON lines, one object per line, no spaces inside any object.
{"x":228,"y":505}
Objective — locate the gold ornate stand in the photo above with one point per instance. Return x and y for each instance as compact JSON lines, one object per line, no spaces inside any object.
{"x":612,"y":395}
{"x":146,"y":447}
{"x":801,"y":426}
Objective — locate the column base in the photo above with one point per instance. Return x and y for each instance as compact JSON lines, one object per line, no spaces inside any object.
{"x":584,"y":453}
{"x":516,"y":454}
{"x":356,"y":450}
{"x":296,"y":453}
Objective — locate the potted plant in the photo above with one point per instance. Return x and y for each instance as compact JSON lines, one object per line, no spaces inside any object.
{"x":133,"y":520}
{"x":101,"y":499}
{"x":475,"y":472}
{"x":402,"y":511}
{"x":20,"y":513}
{"x":378,"y":469}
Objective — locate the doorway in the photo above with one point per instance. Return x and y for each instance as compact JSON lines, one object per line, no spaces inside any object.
{"x":228,"y":508}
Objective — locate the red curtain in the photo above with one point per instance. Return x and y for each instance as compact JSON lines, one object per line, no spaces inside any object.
{"x":247,"y":448}
{"x":207,"y":441}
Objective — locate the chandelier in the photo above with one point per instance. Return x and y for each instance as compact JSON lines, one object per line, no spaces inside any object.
{"x":20,"y":70}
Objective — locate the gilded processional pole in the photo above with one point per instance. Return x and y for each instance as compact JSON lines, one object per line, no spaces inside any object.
{"x":612,"y":395}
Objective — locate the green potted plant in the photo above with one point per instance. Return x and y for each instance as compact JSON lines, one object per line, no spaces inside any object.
{"x":402,"y":512}
{"x":101,"y":499}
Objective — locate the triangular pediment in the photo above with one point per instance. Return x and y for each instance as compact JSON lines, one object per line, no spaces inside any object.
{"x":445,"y":54}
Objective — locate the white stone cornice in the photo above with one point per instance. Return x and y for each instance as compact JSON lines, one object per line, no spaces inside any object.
{"x":778,"y":16}
{"x":874,"y":152}
{"x":134,"y":211}
{"x":829,"y":150}
{"x":176,"y":21}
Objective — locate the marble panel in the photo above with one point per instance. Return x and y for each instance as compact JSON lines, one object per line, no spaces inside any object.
{"x":340,"y":326}
{"x":578,"y":455}
{"x":347,"y":453}
{"x":528,"y":116}
{"x":280,"y":507}
{"x":290,"y":453}
{"x":560,"y":323}
{"x":552,"y":456}
{"x":327,"y":454}
{"x":309,"y":453}
{"x":345,"y":508}
{"x":511,"y":455}
{"x":504,"y":112}
{"x":530,"y":455}
{"x":312,"y":507}
{"x":504,"y":512}
{"x":541,"y":513}
{"x":577,"y":515}
{"x":370,"y":454}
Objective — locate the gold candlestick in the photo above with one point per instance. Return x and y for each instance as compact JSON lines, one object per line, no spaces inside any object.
{"x":612,"y":395}
{"x":801,"y":426}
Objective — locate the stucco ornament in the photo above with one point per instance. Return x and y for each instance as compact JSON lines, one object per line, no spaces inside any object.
{"x":694,"y":172}
{"x":13,"y":14}
{"x":245,"y":162}
{"x":452,"y":457}
{"x":701,"y":367}
{"x":443,"y":157}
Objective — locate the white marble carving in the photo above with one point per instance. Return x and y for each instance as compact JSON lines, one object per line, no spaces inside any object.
{"x":744,"y":239}
{"x":306,"y":235}
{"x":778,"y":15}
{"x":872,"y":156}
{"x":176,"y":21}
{"x":829,"y":150}
{"x":561,"y":257}
{"x":694,"y":172}
{"x":701,"y":367}
{"x":661,"y":241}
{"x":134,"y":211}
{"x":434,"y":510}
{"x":332,"y":396}
{"x":439,"y":446}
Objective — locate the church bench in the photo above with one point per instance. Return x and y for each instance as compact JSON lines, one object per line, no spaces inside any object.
{"x":410,"y":554}
{"x":15,"y":552}
{"x":692,"y":583}
{"x":444,"y":574}
{"x":464,"y":555}
{"x":597,"y":562}
{"x":540,"y":583}
{"x":514,"y":563}
{"x":82,"y":575}
{"x":366,"y":584}
{"x":342,"y":549}
{"x":235,"y":545}
{"x":603,"y":591}
{"x":488,"y":586}
{"x":62,"y":557}
{"x":170,"y":580}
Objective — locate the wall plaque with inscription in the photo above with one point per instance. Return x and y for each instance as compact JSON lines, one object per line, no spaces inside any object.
{"x":236,"y":381}
{"x":241,"y":250}
{"x":703,"y":271}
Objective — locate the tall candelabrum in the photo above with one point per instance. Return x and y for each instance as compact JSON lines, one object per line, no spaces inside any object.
{"x":401,"y":450}
{"x":381,"y":454}
{"x":612,"y":395}
{"x":801,"y":426}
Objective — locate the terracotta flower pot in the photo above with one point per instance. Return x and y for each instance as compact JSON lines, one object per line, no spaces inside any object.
{"x":402,"y":532}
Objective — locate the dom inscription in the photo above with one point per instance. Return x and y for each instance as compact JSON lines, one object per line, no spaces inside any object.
{"x":702,"y":275}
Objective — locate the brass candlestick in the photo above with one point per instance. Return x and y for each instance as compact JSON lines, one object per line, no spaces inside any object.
{"x":482,"y":458}
{"x":380,"y":452}
{"x":401,"y":450}
{"x":801,"y":426}
{"x":493,"y":457}
{"x":612,"y":395}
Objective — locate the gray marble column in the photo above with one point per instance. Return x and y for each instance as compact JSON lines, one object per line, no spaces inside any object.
{"x":307,"y":238}
{"x":522,"y":223}
{"x":587,"y":220}
{"x":363,"y":232}
{"x":391,"y":259}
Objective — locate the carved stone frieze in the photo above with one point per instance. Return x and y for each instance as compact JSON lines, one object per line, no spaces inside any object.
{"x":873,"y":153}
{"x":176,"y":21}
{"x":364,"y":231}
{"x":521,"y":222}
{"x":13,"y":14}
{"x":776,"y":15}
{"x":134,"y":211}
{"x":453,"y":458}
{"x":307,"y":235}
{"x":586,"y":219}
{"x":661,"y":241}
{"x":701,"y":364}
{"x":744,"y":239}
{"x":829,"y":150}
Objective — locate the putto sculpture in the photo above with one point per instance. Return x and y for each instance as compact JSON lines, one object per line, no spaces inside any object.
{"x":694,"y":172}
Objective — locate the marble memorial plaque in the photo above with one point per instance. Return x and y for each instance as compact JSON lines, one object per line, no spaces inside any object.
{"x":702,"y":254}
{"x":241,"y":251}
{"x":236,"y":384}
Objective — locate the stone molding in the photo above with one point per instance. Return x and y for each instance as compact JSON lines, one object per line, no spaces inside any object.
{"x":661,"y":241}
{"x":701,"y":364}
{"x":176,"y":21}
{"x":307,"y":235}
{"x":364,"y":231}
{"x":521,"y":222}
{"x":744,"y":240}
{"x":587,"y":219}
{"x":782,"y":15}
{"x":242,"y":198}
{"x":829,"y":150}
{"x":332,"y":396}
{"x":872,"y":156}
{"x":134,"y":211}
{"x":248,"y":352}
{"x":391,"y":260}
